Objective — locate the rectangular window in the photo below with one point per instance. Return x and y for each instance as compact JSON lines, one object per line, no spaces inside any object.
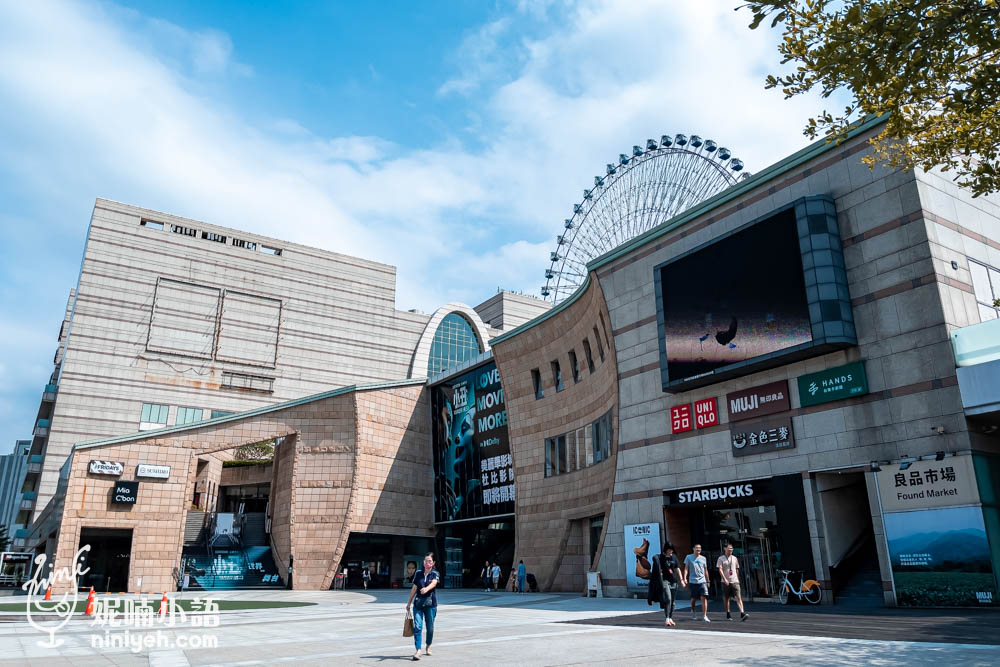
{"x":604,"y":328}
{"x":220,"y":413}
{"x":240,"y":243}
{"x":185,"y":231}
{"x":602,"y":438}
{"x":556,"y":456}
{"x":271,"y":251}
{"x":153,"y":416}
{"x":152,"y":224}
{"x":986,"y":285}
{"x":536,"y":382}
{"x":188,"y":415}
{"x":557,"y":376}
{"x":574,"y":366}
{"x":600,"y":346}
{"x":212,"y":236}
{"x":250,"y":382}
{"x":589,"y":354}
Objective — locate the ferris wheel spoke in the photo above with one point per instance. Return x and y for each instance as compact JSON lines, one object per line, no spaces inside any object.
{"x":652,"y":187}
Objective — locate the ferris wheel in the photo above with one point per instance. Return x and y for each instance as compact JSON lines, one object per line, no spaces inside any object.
{"x":635,"y":194}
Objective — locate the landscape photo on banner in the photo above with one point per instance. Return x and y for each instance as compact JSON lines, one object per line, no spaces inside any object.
{"x":941,"y":557}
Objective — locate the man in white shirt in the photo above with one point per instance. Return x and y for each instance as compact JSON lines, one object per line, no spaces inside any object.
{"x":729,"y":570}
{"x":695,"y":576}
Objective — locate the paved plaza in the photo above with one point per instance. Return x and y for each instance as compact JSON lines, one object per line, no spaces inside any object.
{"x":473,"y":628}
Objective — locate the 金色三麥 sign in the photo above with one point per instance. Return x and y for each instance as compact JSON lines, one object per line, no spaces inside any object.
{"x":758,"y":437}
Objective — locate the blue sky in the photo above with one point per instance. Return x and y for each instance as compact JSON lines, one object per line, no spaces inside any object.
{"x":447,"y":138}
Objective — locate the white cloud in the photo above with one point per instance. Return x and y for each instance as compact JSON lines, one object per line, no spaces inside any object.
{"x":558,"y":107}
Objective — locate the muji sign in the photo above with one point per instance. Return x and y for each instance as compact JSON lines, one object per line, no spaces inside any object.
{"x":683,"y":418}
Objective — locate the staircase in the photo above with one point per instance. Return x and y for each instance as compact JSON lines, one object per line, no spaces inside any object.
{"x":864,"y":587}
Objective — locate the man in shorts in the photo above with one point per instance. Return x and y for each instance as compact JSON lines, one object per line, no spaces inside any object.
{"x":695,"y":576}
{"x":729,"y":570}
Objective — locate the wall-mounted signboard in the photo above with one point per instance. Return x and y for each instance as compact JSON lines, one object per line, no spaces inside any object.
{"x":106,"y":468}
{"x":758,"y":437}
{"x":766,"y":399}
{"x":833,"y":384}
{"x":147,"y":470}
{"x":125,"y":493}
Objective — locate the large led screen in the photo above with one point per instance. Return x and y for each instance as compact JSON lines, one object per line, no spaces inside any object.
{"x":474,"y":474}
{"x":737,"y":299}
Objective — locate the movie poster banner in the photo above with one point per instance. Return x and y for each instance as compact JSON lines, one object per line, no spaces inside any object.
{"x":941,"y":557}
{"x":474,"y":474}
{"x":642,"y":542}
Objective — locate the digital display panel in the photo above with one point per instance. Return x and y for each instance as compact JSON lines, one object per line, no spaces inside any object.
{"x":734,"y":300}
{"x":474,"y":474}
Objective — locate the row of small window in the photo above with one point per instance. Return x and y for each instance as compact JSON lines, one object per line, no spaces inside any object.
{"x":986,"y":285}
{"x":211,"y":236}
{"x":574,"y":365}
{"x":578,"y":449}
{"x":154,"y":415}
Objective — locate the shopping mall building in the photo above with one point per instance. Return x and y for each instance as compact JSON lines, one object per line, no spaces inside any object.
{"x":805,"y":365}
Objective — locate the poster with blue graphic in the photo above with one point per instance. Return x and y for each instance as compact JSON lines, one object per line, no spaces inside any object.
{"x":474,"y":473}
{"x":941,"y":557}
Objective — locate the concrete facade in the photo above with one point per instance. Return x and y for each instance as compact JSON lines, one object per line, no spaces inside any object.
{"x":13,"y":467}
{"x":351,"y":460}
{"x":202,"y":319}
{"x":907,"y":238}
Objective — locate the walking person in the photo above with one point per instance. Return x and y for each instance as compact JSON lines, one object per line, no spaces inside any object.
{"x":423,"y":599}
{"x":496,"y":576}
{"x":695,"y":576}
{"x":729,"y":570}
{"x":663,"y":580}
{"x":522,"y":577}
{"x":486,"y":574}
{"x":366,"y":577}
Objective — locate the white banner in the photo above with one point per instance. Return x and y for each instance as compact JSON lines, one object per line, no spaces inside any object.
{"x":147,"y":470}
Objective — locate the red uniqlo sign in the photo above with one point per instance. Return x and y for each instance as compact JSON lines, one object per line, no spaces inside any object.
{"x":706,"y":413}
{"x":680,"y":418}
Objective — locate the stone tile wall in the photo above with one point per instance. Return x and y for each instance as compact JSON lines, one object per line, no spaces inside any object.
{"x":547,"y":509}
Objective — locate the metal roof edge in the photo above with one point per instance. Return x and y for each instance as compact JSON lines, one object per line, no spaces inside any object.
{"x":142,"y":435}
{"x":551,"y":312}
{"x":779,"y":168}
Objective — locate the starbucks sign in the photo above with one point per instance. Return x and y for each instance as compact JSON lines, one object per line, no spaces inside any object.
{"x":833,"y":384}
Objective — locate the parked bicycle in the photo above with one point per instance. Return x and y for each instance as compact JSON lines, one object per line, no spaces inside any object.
{"x":810,"y":589}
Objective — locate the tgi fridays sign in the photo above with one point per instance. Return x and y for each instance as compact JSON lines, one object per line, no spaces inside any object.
{"x":705,"y":413}
{"x":107,"y":468}
{"x":765,"y":435}
{"x":766,"y":399}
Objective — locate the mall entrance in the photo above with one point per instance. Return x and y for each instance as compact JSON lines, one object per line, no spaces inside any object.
{"x":468,"y":545}
{"x":764,"y":520}
{"x":108,"y":559}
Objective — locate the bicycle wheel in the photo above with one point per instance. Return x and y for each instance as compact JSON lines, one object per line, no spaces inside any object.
{"x":783,"y":594}
{"x":814,"y":594}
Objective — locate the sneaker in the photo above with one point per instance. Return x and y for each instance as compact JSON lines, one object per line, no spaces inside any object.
{"x":694,"y":616}
{"x":427,"y":651}
{"x":744,"y":616}
{"x":729,"y":616}
{"x":416,"y":656}
{"x":706,"y":619}
{"x":670,"y":622}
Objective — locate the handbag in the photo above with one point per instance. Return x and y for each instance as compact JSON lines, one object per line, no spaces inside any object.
{"x":408,"y":624}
